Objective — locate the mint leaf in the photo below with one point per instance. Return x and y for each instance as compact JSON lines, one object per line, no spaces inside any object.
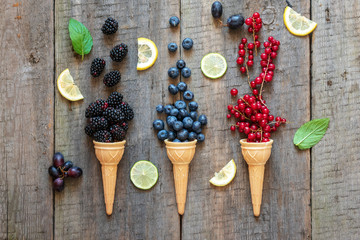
{"x":311,"y":133}
{"x":80,"y":37}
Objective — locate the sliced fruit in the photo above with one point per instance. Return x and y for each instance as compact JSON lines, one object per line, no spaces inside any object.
{"x":298,"y":24}
{"x":147,"y":53}
{"x":67,"y":87}
{"x":213,"y":65}
{"x":144,"y":174}
{"x":225,"y":176}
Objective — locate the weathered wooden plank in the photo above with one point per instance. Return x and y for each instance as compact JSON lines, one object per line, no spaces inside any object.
{"x":226,"y":213}
{"x":80,"y":209}
{"x":335,"y":94}
{"x":26,"y":119}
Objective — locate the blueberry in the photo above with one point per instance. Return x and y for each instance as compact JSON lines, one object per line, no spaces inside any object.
{"x":183,"y":113}
{"x":168,"y":108}
{"x":174,"y":21}
{"x":173,"y":89}
{"x":188,"y":95}
{"x":186,"y":72}
{"x":188,"y":122}
{"x":216,"y":9}
{"x":172,"y":47}
{"x":176,"y":140}
{"x":200,"y":137}
{"x":173,"y":72}
{"x":182,"y":86}
{"x":172,"y":136}
{"x":192,"y":136}
{"x":178,"y":126}
{"x":202,"y":119}
{"x":160,"y":108}
{"x":193,"y":115}
{"x":198,"y":131}
{"x":235,"y":21}
{"x":162,"y":135}
{"x":170,"y":120}
{"x":183,"y":134}
{"x":187,"y":43}
{"x":180,"y":104}
{"x":174,"y":112}
{"x":158,"y":124}
{"x":180,"y":64}
{"x":193,"y":106}
{"x":196,"y":126}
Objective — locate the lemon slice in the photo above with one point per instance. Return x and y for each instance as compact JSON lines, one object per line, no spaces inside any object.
{"x":225,"y":176}
{"x":213,"y":65}
{"x":298,"y":24}
{"x":144,"y":174}
{"x":147,"y":53}
{"x":67,"y":87}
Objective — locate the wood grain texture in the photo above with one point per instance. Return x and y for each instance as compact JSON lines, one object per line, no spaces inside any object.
{"x":26,"y":119}
{"x":335,"y":94}
{"x":226,"y":213}
{"x":80,"y":209}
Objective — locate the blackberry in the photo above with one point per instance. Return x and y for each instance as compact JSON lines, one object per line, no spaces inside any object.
{"x":95,"y":109}
{"x":124,"y":125}
{"x":127,"y":110}
{"x":117,"y":132}
{"x":110,"y":26}
{"x":98,"y":123}
{"x":114,"y":115}
{"x":97,"y":66}
{"x":89,"y":131}
{"x":112,"y":78}
{"x":103,"y":136}
{"x":115,"y":99}
{"x":118,"y":53}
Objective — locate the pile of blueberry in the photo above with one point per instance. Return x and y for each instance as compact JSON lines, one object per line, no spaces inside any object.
{"x":183,"y":122}
{"x":174,"y":72}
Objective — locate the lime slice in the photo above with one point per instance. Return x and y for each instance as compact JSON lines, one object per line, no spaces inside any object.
{"x":225,"y":176}
{"x":67,"y":87}
{"x":147,"y":53}
{"x":213,"y":65}
{"x":298,"y":24}
{"x":144,"y":174}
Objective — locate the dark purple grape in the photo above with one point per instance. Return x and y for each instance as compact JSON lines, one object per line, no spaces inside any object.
{"x":58,"y":159}
{"x":67,"y":165}
{"x":53,"y":171}
{"x":235,"y":21}
{"x":75,"y":172}
{"x":216,"y":9}
{"x":58,"y":184}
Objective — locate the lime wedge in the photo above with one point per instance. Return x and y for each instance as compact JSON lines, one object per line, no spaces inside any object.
{"x":213,"y":65}
{"x":144,"y":174}
{"x":225,"y":176}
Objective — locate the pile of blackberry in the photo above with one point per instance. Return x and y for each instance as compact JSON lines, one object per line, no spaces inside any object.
{"x":108,"y":120}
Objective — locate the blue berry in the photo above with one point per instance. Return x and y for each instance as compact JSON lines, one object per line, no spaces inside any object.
{"x":183,"y":134}
{"x":168,"y":108}
{"x":172,"y":47}
{"x":174,"y":112}
{"x":170,"y":120}
{"x":188,"y":122}
{"x":198,"y":131}
{"x":162,"y":135}
{"x":174,"y":21}
{"x":186,"y":72}
{"x":177,"y":126}
{"x":182,"y":86}
{"x":172,"y":136}
{"x":176,"y":140}
{"x":187,"y":43}
{"x":180,"y":104}
{"x":192,"y":136}
{"x":188,"y":95}
{"x":193,"y":115}
{"x":200,"y":137}
{"x":196,"y":126}
{"x":180,"y":64}
{"x":193,"y":106}
{"x":183,"y":113}
{"x":173,"y":72}
{"x":202,"y":119}
{"x":160,"y":108}
{"x":173,"y":89}
{"x":158,"y":124}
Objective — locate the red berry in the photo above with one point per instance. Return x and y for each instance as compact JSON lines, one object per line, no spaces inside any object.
{"x":275,"y":48}
{"x":252,"y":99}
{"x":256,"y":37}
{"x":270,"y":39}
{"x":263,"y":123}
{"x":254,"y":127}
{"x":266,"y":44}
{"x":267,"y":128}
{"x":247,"y":130}
{"x":251,"y":57}
{"x":251,"y":52}
{"x":255,"y":92}
{"x":267,"y":50}
{"x":241,"y":46}
{"x":242,"y":118}
{"x":265,"y":140}
{"x":271,"y":73}
{"x":258,"y":20}
{"x":230,"y":107}
{"x":259,"y":25}
{"x":263,"y":63}
{"x":247,"y":124}
{"x":241,"y":52}
{"x":273,"y":55}
{"x":239,"y":101}
{"x":258,"y":80}
{"x":250,"y":46}
{"x":240,"y":60}
{"x":277,"y":124}
{"x":252,"y":118}
{"x":250,"y":63}
{"x":273,"y":129}
{"x":237,"y":114}
{"x":257,"y":43}
{"x":266,"y":135}
{"x":250,"y":29}
{"x":228,"y":115}
{"x":264,"y":56}
{"x":242,"y":106}
{"x":268,"y":78}
{"x":243,"y":70}
{"x":256,"y":15}
{"x":248,"y":21}
{"x":264,"y":69}
{"x":232,"y":128}
{"x":243,"y":40}
{"x":236,"y":107}
{"x":253,"y":84}
{"x":241,"y":125}
{"x":258,"y":116}
{"x":262,"y":75}
{"x":234,"y":92}
{"x":232,"y":111}
{"x":271,"y":66}
{"x":258,"y":135}
{"x":283,"y":120}
{"x":265,"y":116}
{"x":254,"y":106}
{"x":271,"y":118}
{"x":278,"y":119}
{"x":248,"y":111}
{"x":277,"y":42}
{"x":251,"y":136}
{"x":265,"y":110}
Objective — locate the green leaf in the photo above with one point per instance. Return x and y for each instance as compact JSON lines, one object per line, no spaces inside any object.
{"x":80,"y":37}
{"x":311,"y":133}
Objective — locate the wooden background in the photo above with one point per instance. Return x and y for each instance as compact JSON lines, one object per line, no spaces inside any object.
{"x":307,"y":194}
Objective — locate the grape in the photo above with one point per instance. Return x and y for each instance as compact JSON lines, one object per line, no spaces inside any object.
{"x":58,"y":159}
{"x":235,"y":21}
{"x":58,"y":184}
{"x":53,"y":171}
{"x":216,"y":9}
{"x":67,"y":165}
{"x":75,"y":172}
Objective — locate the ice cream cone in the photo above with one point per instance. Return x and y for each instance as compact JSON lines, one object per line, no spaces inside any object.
{"x":256,"y":155}
{"x":109,"y":155}
{"x":180,"y":154}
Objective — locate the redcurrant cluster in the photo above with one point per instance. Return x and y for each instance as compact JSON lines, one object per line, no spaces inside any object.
{"x":255,"y":24}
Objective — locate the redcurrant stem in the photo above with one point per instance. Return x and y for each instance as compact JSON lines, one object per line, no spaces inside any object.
{"x":262,"y":83}
{"x":245,"y":102}
{"x":241,"y":113}
{"x":261,"y":135}
{"x":253,"y":32}
{"x":246,"y":66}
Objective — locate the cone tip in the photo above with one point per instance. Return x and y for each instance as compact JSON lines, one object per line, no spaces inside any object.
{"x":181,"y":208}
{"x":109,"y":209}
{"x":256,"y":209}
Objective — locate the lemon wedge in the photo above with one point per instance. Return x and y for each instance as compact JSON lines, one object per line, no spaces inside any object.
{"x":225,"y":176}
{"x":298,"y":24}
{"x":147,"y":53}
{"x":67,"y":87}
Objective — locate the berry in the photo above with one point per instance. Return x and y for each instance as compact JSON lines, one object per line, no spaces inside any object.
{"x":98,"y":123}
{"x":127,"y":111}
{"x":75,"y":172}
{"x":258,"y":80}
{"x":159,"y":108}
{"x":183,"y":134}
{"x":114,"y":115}
{"x":188,"y":95}
{"x":251,"y":136}
{"x":173,"y":89}
{"x":119,"y":52}
{"x":183,"y":113}
{"x":177,"y":126}
{"x":268,"y":78}
{"x":168,"y":108}
{"x":187,"y":43}
{"x":200,"y":137}
{"x":250,"y":63}
{"x":103,"y":136}
{"x":124,"y":125}
{"x":240,"y":60}
{"x":58,"y":159}
{"x":176,"y":140}
{"x":117,"y":132}
{"x":172,"y":47}
{"x":193,"y":106}
{"x":264,"y":56}
{"x":248,"y":21}
{"x":255,"y":92}
{"x":110,"y":26}
{"x":192,"y":136}
{"x":194,"y":115}
{"x":173,"y":72}
{"x":233,"y":128}
{"x":89,"y":130}
{"x":270,"y":39}
{"x":235,"y":21}
{"x":230,"y":107}
{"x":216,"y":9}
{"x":170,"y":120}
{"x":186,"y":72}
{"x":187,"y":122}
{"x":97,"y":66}
{"x":174,"y":112}
{"x":180,"y":64}
{"x":182,"y":86}
{"x":172,"y":135}
{"x":67,"y":165}
{"x":53,"y":172}
{"x":256,"y":15}
{"x":196,"y":126}
{"x":180,"y":104}
{"x":243,"y":70}
{"x":234,"y":92}
{"x":96,"y":108}
{"x":252,"y":84}
{"x":250,"y":46}
{"x":158,"y":124}
{"x":112,"y":78}
{"x":202,"y":119}
{"x":174,"y":21}
{"x":115,"y":99}
{"x":58,"y":184}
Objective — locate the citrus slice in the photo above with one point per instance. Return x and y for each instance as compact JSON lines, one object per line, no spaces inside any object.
{"x":225,"y":176}
{"x":67,"y":87}
{"x":147,"y":53}
{"x":213,"y":65}
{"x":298,"y":24}
{"x":144,"y":174}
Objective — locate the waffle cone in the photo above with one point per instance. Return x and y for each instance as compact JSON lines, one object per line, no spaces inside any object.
{"x":109,"y":155}
{"x":256,"y":155}
{"x":180,"y":154}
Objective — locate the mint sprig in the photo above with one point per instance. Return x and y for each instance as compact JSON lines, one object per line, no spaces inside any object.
{"x":311,"y":133}
{"x":80,"y":37}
